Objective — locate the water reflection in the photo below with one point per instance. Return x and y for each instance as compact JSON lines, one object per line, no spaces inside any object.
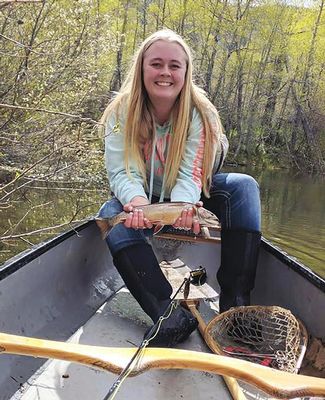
{"x":293,"y":214}
{"x":37,"y":207}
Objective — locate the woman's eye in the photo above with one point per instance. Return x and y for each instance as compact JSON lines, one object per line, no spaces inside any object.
{"x":156,"y":65}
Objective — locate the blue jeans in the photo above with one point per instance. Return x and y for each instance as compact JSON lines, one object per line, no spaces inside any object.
{"x":234,"y":199}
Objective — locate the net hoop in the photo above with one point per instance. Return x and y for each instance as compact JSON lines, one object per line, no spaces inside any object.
{"x":267,"y":335}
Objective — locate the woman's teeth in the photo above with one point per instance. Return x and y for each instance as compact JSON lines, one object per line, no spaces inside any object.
{"x":163,"y":83}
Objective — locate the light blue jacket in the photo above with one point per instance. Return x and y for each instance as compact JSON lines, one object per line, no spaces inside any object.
{"x":188,"y":185}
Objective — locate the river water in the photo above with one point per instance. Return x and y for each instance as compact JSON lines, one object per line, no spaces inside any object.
{"x":293,"y":213}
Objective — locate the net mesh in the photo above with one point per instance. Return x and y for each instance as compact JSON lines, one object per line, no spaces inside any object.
{"x":270,"y":336}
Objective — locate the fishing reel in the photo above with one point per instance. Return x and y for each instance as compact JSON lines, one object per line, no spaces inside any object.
{"x":198,"y":276}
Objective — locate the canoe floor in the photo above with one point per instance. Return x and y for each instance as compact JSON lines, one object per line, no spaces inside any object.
{"x":121,"y":323}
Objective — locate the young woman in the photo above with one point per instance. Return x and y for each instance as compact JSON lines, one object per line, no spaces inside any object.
{"x":164,"y":142}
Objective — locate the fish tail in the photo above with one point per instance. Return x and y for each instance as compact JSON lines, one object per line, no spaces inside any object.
{"x":103,"y":226}
{"x":106,"y":224}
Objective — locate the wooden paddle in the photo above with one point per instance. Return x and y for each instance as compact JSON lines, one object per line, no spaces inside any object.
{"x":231,"y":383}
{"x":276,"y":383}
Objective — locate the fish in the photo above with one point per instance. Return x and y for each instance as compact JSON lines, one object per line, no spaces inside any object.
{"x":161,"y":214}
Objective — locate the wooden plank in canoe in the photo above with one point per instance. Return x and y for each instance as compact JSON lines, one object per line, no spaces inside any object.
{"x":175,"y":271}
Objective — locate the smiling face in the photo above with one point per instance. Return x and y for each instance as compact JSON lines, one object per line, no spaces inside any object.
{"x":164,"y":69}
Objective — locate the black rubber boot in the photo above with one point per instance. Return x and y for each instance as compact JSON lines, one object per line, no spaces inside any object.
{"x":176,"y":328}
{"x":236,"y":275}
{"x":142,"y":275}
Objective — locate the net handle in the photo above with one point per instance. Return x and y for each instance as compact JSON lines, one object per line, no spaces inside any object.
{"x":231,"y":383}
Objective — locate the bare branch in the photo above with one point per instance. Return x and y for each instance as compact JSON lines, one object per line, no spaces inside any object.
{"x":30,"y":168}
{"x":14,"y":228}
{"x":12,"y":106}
{"x":20,"y":1}
{"x":42,"y":230}
{"x":66,"y":188}
{"x":7,"y":194}
{"x":8,"y":139}
{"x":27,"y":241}
{"x":19,"y":44}
{"x":5,"y":3}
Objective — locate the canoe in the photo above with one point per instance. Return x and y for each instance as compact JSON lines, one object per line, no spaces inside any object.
{"x":67,"y":289}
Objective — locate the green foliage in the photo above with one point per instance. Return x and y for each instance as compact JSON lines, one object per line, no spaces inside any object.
{"x":259,"y":61}
{"x":57,"y":58}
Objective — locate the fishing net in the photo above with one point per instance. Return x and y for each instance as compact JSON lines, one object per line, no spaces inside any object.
{"x":269,"y":336}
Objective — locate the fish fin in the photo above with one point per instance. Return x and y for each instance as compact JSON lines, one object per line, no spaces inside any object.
{"x":205,"y":232}
{"x":157,"y":229}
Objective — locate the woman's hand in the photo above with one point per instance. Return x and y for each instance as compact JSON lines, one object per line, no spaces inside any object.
{"x":187,"y":221}
{"x":135,"y":219}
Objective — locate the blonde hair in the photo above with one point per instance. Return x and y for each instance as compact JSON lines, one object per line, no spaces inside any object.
{"x":139,"y":122}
